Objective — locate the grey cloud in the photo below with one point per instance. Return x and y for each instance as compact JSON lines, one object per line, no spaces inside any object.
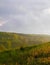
{"x":27,"y":16}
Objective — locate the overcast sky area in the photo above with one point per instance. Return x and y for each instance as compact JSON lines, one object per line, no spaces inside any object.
{"x":25,"y":16}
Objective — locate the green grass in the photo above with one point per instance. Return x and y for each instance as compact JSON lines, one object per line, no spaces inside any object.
{"x":33,"y":55}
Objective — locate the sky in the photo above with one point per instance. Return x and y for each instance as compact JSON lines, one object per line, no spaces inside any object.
{"x":25,"y":16}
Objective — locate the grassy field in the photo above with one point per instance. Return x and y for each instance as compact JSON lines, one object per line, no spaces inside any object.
{"x":33,"y":55}
{"x":24,"y":49}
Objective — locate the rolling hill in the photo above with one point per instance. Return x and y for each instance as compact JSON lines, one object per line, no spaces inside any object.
{"x":24,"y":49}
{"x":16,"y":40}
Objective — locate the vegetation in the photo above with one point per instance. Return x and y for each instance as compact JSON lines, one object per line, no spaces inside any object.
{"x":33,"y":55}
{"x":16,"y":40}
{"x":21,"y":49}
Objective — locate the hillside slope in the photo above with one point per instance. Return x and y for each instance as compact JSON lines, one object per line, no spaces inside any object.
{"x":33,"y":55}
{"x":15,"y":40}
